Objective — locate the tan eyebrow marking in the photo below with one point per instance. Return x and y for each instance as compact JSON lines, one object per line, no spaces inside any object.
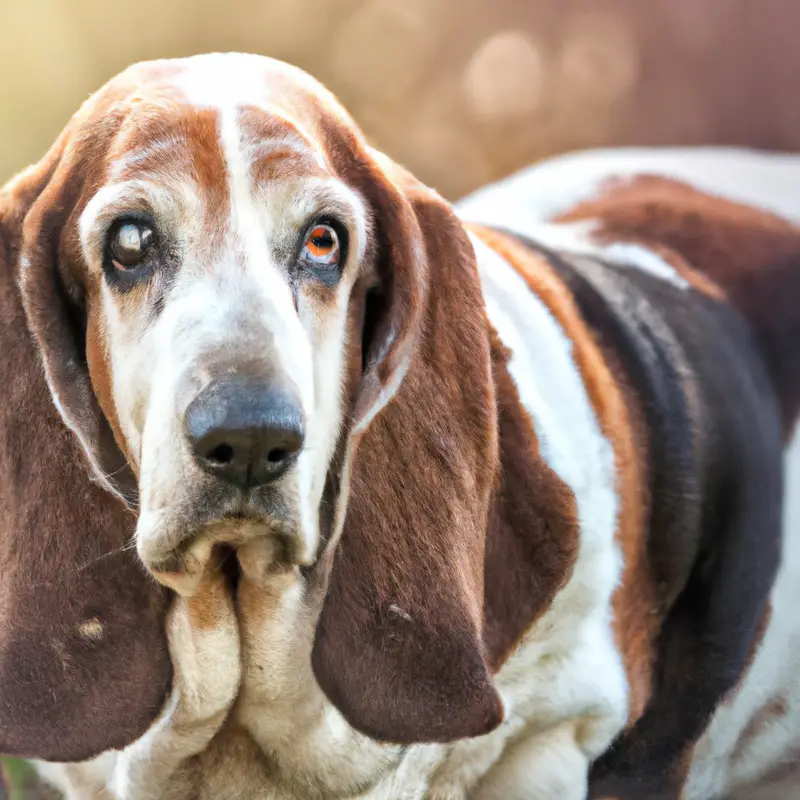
{"x":208,"y":162}
{"x":179,"y":146}
{"x":148,"y":157}
{"x":276,"y":148}
{"x":284,"y":163}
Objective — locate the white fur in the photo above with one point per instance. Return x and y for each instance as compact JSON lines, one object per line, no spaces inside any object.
{"x":543,"y":191}
{"x":718,"y":767}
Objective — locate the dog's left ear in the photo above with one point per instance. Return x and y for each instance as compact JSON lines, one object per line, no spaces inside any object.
{"x":399,"y":646}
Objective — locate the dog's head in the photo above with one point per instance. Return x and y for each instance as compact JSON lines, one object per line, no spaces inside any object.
{"x":257,"y":326}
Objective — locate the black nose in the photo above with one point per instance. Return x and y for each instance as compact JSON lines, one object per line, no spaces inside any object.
{"x":247,"y":431}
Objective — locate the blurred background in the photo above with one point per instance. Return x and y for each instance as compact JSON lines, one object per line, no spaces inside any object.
{"x":461,"y":91}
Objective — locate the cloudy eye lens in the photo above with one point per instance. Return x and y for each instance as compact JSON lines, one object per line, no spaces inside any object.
{"x":129,"y":244}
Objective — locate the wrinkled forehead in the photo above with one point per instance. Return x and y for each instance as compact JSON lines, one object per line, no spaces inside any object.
{"x":199,"y":140}
{"x":189,"y":117}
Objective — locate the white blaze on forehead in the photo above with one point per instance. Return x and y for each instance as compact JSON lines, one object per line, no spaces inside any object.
{"x":225,"y":83}
{"x":231,"y":81}
{"x":248,"y":233}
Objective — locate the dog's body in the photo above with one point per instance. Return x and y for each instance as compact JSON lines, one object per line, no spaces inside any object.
{"x":555,"y":511}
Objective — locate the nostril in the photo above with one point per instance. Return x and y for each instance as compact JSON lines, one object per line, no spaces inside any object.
{"x":221,"y":454}
{"x":244,"y":430}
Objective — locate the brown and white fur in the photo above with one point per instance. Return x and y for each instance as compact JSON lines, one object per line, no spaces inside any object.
{"x":486,"y":566}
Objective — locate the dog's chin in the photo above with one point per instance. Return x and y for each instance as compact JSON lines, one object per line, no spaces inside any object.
{"x":181,"y":546}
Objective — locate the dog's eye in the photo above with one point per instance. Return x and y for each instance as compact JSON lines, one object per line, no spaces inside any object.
{"x":322,"y":246}
{"x":129,"y":244}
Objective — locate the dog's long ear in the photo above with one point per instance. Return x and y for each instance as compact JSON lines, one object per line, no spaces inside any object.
{"x":83,"y":659}
{"x":399,"y":646}
{"x":54,"y":306}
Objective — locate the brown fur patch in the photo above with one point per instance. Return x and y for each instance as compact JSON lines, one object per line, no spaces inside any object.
{"x":752,"y":255}
{"x":635,"y":603}
{"x":201,"y":128}
{"x":287,"y":153}
{"x":206,"y":609}
{"x":153,"y":140}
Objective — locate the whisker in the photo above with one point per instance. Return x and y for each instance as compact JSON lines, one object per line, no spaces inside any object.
{"x":127,"y":547}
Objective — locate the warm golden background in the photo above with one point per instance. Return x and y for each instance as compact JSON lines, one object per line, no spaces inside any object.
{"x":461,"y":91}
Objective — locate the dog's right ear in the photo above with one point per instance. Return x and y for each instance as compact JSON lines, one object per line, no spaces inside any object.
{"x":54,"y":304}
{"x":83,"y":660}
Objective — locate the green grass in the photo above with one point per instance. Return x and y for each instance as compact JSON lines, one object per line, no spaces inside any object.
{"x":21,"y":779}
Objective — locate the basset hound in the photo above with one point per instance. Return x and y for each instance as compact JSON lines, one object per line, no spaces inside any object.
{"x":313,"y":486}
